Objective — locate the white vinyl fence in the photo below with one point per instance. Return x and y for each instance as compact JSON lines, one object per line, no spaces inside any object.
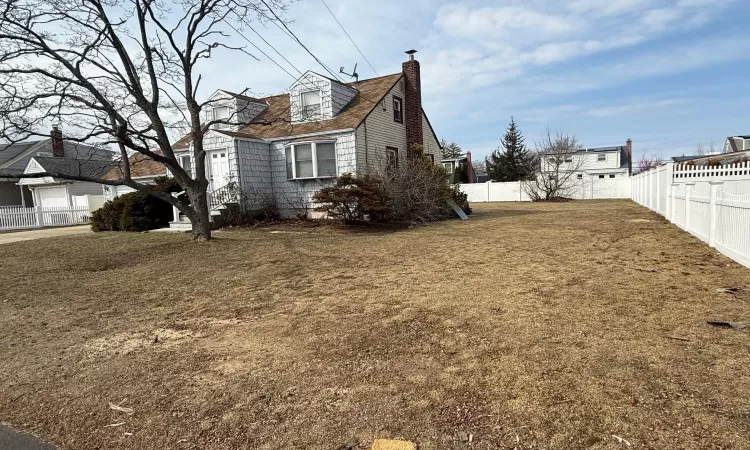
{"x":19,"y":218}
{"x":592,"y":188}
{"x":710,"y":202}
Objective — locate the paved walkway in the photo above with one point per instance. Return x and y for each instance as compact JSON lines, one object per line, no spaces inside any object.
{"x":15,"y":236}
{"x":13,"y":440}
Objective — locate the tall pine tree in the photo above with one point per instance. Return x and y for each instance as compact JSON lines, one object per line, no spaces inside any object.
{"x":513,"y":162}
{"x":451,"y":150}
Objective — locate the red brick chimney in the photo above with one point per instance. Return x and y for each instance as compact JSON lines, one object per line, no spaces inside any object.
{"x":629,"y":150}
{"x":469,"y":168}
{"x":412,"y":102}
{"x":58,"y":149}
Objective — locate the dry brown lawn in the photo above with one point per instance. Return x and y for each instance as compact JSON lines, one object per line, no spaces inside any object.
{"x":549,"y":326}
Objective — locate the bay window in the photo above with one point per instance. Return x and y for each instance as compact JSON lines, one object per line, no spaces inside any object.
{"x":311,"y":160}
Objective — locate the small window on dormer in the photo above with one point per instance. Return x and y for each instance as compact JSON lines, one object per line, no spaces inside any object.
{"x":311,"y":107}
{"x":601,"y":157}
{"x":398,"y":113}
{"x":221,"y":113}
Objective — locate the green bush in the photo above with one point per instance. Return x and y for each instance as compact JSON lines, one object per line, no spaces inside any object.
{"x":136,"y":211}
{"x":354,"y":200}
{"x":461,"y":199}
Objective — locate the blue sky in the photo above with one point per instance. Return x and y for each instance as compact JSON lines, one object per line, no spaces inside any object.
{"x":669,"y":74}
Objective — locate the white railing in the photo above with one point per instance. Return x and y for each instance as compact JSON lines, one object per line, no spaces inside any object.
{"x":710,"y":202}
{"x":19,"y":218}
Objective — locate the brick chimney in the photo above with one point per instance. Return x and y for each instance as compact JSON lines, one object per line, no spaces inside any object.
{"x":58,"y":149}
{"x":469,"y":168}
{"x":629,"y":150}
{"x":412,"y":102}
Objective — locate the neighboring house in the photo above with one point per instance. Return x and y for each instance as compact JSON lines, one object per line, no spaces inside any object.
{"x":61,"y":192}
{"x":463,"y":163}
{"x":143,"y":170}
{"x":716,"y":158}
{"x":600,"y":162}
{"x":289,"y":146}
{"x":16,"y":158}
{"x":736,"y":144}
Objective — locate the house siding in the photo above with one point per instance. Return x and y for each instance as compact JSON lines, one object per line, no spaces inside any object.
{"x":292,"y":195}
{"x":253,"y":163}
{"x":431,"y":145}
{"x":341,"y":95}
{"x":311,"y":82}
{"x":84,"y":188}
{"x":379,"y":131}
{"x":10,"y":194}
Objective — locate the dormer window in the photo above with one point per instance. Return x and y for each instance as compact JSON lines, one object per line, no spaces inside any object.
{"x":398,"y":113}
{"x":311,"y":107}
{"x":601,"y":157}
{"x":221,"y":113}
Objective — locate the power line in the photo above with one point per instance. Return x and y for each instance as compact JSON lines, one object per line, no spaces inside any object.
{"x":259,"y":49}
{"x":350,"y":38}
{"x":293,"y":36}
{"x":274,"y":48}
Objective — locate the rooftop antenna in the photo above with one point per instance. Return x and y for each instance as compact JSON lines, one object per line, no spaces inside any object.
{"x":354,"y":73}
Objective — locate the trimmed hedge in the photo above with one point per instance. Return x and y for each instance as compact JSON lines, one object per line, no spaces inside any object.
{"x":136,"y":211}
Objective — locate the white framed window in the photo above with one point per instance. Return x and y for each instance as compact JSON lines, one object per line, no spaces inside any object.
{"x":391,"y":158}
{"x":601,"y":176}
{"x":568,"y":159}
{"x":310,"y":102}
{"x":611,"y":176}
{"x":311,"y":160}
{"x":601,"y":157}
{"x":398,"y":106}
{"x":448,"y":167}
{"x":579,"y":176}
{"x":185,"y":163}
{"x":221,"y":113}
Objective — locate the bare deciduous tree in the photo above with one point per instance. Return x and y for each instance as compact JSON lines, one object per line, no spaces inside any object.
{"x":123,"y":73}
{"x":557,"y":168}
{"x":648,"y":163}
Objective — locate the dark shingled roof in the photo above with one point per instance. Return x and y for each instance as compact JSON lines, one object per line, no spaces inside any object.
{"x":275,"y":121}
{"x":9,"y":152}
{"x":74,"y":167}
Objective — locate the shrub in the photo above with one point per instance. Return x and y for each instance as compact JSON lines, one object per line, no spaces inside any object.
{"x":419,"y":190}
{"x":353,"y":200}
{"x":136,"y":211}
{"x":414,"y":191}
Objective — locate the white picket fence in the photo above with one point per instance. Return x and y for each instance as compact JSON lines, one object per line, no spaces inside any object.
{"x":587,"y":189}
{"x":710,"y":202}
{"x":19,"y":218}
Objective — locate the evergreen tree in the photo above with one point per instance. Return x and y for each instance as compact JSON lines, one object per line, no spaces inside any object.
{"x":451,"y":150}
{"x":511,"y":161}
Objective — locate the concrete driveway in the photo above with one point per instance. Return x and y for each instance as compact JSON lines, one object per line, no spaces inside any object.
{"x":10,"y":439}
{"x":15,"y":236}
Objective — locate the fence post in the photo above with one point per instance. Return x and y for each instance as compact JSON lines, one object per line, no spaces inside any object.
{"x":39,"y":216}
{"x":715,"y":185}
{"x":688,"y":188}
{"x":670,"y":202}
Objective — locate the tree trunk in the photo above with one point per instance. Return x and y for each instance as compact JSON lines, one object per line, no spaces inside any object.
{"x":201,"y":216}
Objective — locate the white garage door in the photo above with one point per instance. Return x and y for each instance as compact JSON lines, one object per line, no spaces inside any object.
{"x":53,"y":196}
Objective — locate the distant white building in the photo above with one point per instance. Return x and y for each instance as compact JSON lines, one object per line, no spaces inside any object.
{"x":599,"y":162}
